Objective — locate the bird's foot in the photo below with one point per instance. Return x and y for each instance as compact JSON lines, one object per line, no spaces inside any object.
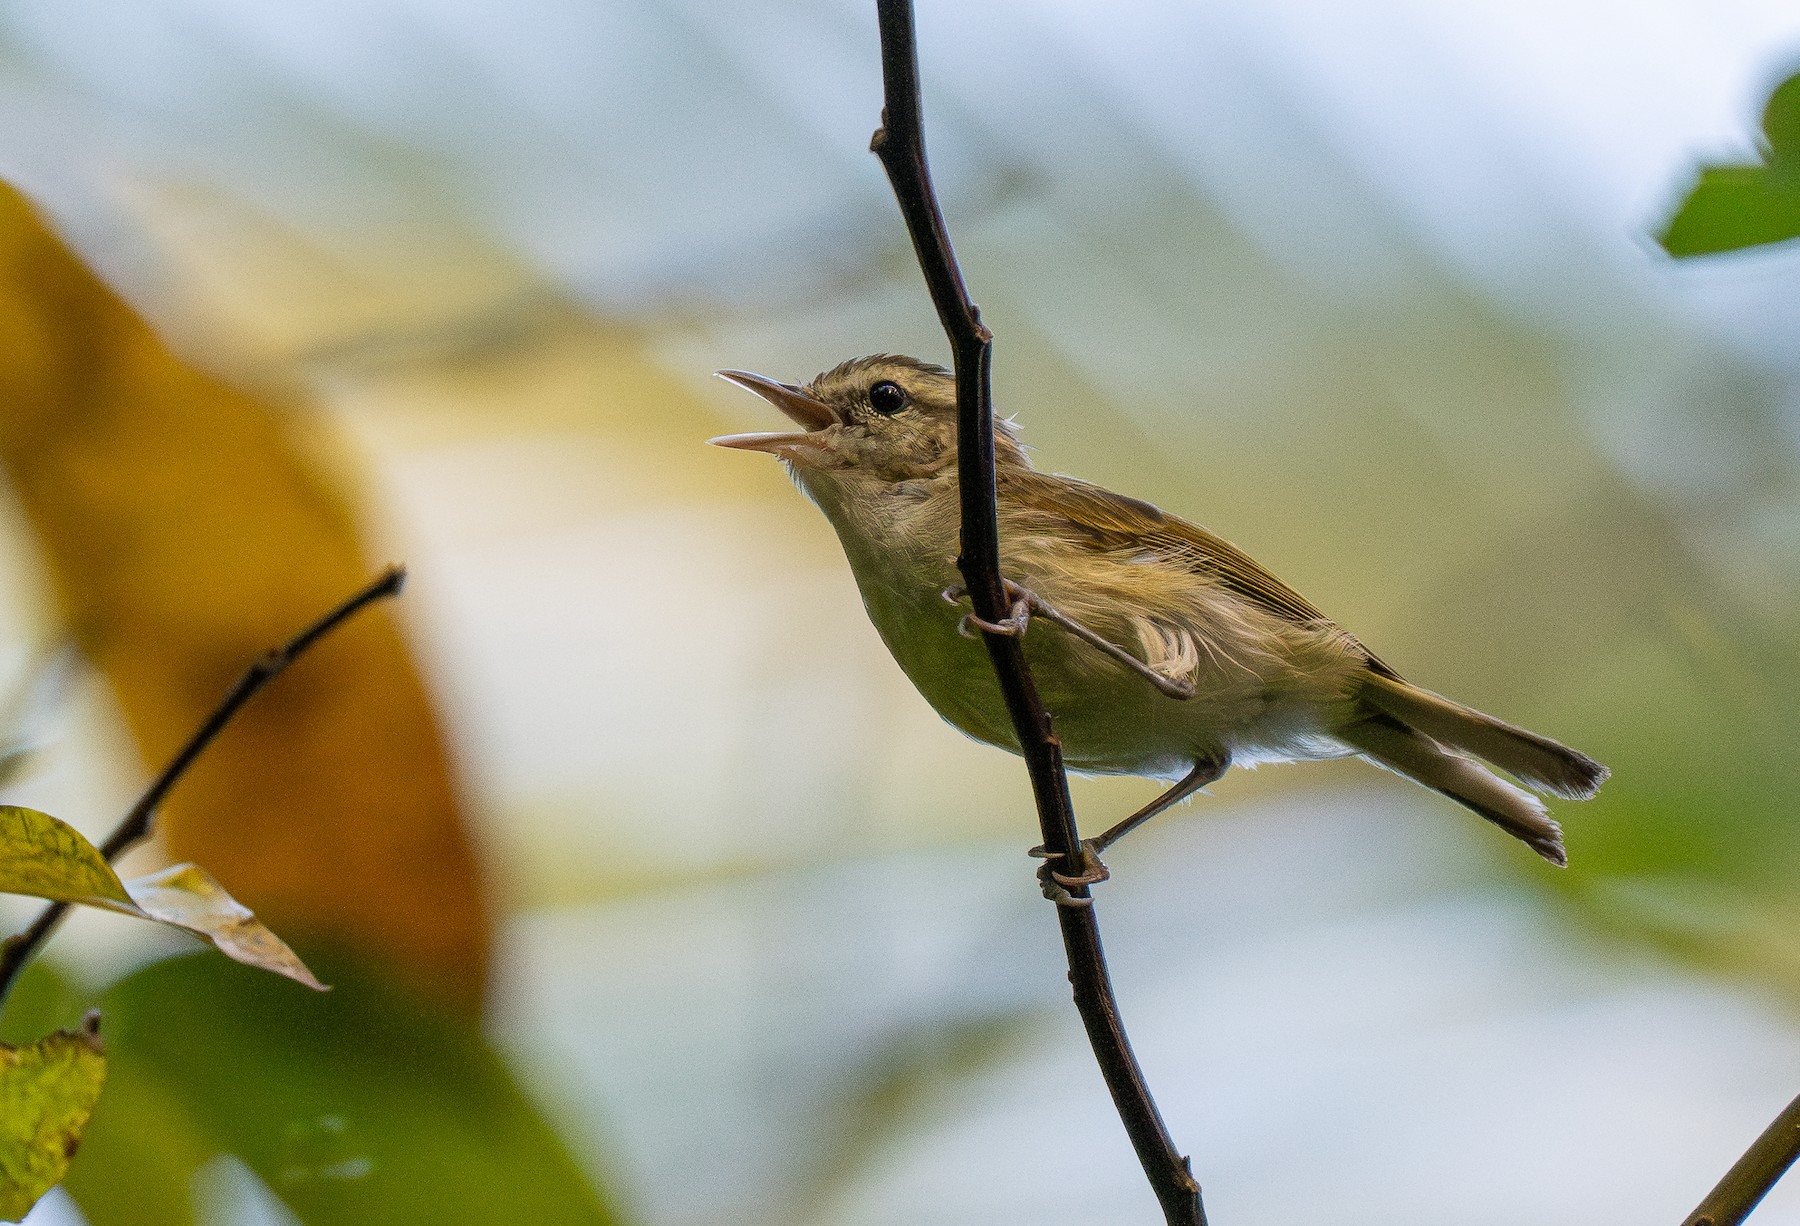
{"x":1021,"y":600}
{"x":1056,"y":886}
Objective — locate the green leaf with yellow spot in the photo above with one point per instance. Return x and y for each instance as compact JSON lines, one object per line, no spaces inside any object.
{"x":47,"y":1093}
{"x":48,"y":858}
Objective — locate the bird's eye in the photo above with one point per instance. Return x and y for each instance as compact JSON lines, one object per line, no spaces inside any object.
{"x":887,"y":398}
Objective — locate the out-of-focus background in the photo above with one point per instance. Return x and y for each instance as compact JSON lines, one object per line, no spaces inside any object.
{"x":653,"y":893}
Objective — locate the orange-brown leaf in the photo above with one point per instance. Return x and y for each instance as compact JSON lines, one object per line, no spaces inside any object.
{"x":186,"y":533}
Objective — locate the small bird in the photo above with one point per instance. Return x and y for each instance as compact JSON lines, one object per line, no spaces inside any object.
{"x":1178,"y":656}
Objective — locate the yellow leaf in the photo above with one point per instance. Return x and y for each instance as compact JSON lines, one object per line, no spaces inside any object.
{"x":47,"y":1093}
{"x":185,"y":531}
{"x":47,"y":858}
{"x":186,"y":896}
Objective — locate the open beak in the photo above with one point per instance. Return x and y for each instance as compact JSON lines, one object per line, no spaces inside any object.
{"x":809,"y":413}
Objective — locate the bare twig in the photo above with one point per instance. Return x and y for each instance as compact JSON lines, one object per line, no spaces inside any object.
{"x":1750,"y":1179}
{"x":17,"y":950}
{"x":900,"y":144}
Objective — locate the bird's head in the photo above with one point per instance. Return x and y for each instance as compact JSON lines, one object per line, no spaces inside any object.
{"x":891,"y":418}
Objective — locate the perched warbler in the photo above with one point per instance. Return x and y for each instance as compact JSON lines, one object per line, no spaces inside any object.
{"x":1173,"y":653}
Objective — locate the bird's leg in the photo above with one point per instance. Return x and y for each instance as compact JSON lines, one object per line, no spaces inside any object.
{"x":1206,"y":771}
{"x":1025,"y":602}
{"x":1093,"y":871}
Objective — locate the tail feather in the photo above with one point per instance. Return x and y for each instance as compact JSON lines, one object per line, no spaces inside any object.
{"x":1409,"y":752}
{"x":1537,"y":761}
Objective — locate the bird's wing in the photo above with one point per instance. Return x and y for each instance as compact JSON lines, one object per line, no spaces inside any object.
{"x":1114,"y":521}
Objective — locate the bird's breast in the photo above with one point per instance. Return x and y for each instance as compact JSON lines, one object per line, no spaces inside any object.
{"x":902,"y":548}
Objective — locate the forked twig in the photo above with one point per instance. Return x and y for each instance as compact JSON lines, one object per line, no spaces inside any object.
{"x":17,"y":950}
{"x":900,"y":144}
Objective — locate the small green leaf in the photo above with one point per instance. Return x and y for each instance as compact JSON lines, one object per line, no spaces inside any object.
{"x":47,"y":1093}
{"x":1732,"y":207}
{"x":186,"y":896}
{"x":48,"y":858}
{"x":1781,"y":122}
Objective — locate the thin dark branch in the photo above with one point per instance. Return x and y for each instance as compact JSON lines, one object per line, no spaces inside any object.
{"x":1750,"y":1179}
{"x":17,"y":950}
{"x":900,"y":144}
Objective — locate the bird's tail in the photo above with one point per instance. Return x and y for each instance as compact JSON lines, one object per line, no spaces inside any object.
{"x":1432,"y":740}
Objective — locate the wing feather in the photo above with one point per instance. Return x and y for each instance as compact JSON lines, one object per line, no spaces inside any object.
{"x":1114,"y":521}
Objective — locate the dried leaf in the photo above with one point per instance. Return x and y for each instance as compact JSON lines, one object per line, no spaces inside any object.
{"x":186,"y":896}
{"x":47,"y":1093}
{"x":47,"y":858}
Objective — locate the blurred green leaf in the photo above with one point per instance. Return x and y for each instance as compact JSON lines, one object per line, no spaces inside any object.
{"x":359,"y":1107}
{"x":42,"y":999}
{"x":1781,"y":126}
{"x":47,"y":1093}
{"x":1716,"y":923}
{"x":1732,"y":207}
{"x":140,"y":1153}
{"x":15,"y":756}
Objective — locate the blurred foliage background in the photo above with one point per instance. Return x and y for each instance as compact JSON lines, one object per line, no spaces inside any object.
{"x":652,"y":892}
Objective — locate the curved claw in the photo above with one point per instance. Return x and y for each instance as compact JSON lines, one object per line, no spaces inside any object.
{"x":1011,"y":626}
{"x":1056,"y":886}
{"x":1093,"y":871}
{"x":1061,"y":897}
{"x":1056,"y":891}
